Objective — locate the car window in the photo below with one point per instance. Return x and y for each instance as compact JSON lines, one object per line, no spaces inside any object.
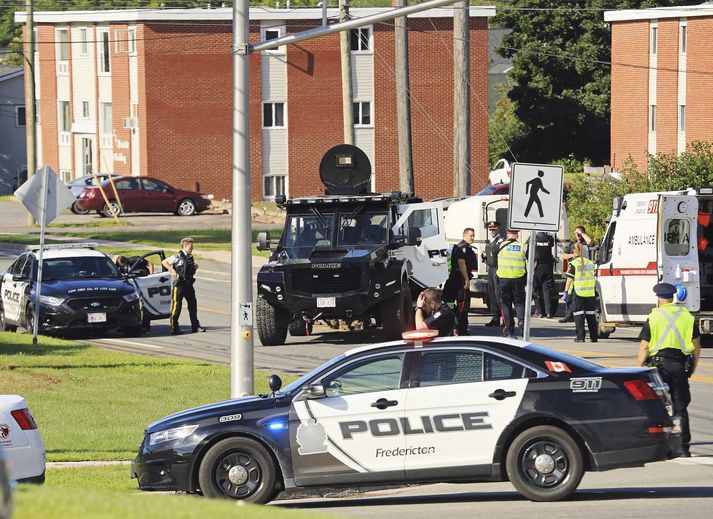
{"x":127,"y":183}
{"x":375,"y":374}
{"x":17,"y":265}
{"x":451,"y":367}
{"x":26,"y":268}
{"x":500,"y":368}
{"x":154,"y":185}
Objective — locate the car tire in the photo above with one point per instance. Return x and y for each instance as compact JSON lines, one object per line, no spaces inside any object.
{"x":544,"y":463}
{"x":240,"y":469}
{"x":76,"y":210}
{"x":396,"y":314}
{"x":186,"y":207}
{"x":298,"y":328}
{"x":271,"y":324}
{"x":29,"y":319}
{"x":4,"y":327}
{"x":107,"y":209}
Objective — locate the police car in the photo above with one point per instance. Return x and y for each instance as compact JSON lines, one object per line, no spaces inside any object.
{"x":451,"y":409}
{"x":81,"y":289}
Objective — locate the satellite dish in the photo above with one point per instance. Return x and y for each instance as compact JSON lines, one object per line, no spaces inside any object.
{"x":345,"y":170}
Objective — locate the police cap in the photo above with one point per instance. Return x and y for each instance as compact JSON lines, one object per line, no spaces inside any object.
{"x":665,"y":290}
{"x":492,"y":224}
{"x":513,"y":231}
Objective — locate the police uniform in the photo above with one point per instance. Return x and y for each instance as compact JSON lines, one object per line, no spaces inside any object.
{"x":491,"y":260}
{"x":511,"y":283}
{"x":669,"y":331}
{"x":462,"y":296}
{"x":185,"y":267}
{"x":543,"y":278}
{"x":582,"y":270}
{"x":443,"y":320}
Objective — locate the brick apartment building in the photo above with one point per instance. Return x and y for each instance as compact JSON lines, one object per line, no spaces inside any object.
{"x":661,"y":80}
{"x":149,"y":92}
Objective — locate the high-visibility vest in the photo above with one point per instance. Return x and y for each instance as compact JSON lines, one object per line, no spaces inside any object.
{"x":671,"y":326}
{"x":584,"y":277}
{"x":511,"y":260}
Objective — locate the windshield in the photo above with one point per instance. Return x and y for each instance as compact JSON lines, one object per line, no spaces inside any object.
{"x":305,"y":232}
{"x":297,"y":384}
{"x":366,"y":229}
{"x":58,"y":269}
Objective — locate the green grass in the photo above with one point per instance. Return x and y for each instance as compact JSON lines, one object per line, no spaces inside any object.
{"x":93,"y":404}
{"x":106,"y":222}
{"x":8,"y":198}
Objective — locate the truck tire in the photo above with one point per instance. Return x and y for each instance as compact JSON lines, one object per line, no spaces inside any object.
{"x":298,"y":328}
{"x":271,"y":324}
{"x":397,"y":313}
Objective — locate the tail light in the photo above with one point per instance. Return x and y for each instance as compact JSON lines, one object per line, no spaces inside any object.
{"x":640,"y":390}
{"x":24,"y":419}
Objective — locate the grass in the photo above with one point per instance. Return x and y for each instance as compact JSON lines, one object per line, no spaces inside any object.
{"x":106,"y":222}
{"x":93,"y":404}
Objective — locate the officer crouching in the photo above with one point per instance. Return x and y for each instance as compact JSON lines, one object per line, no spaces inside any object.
{"x":670,"y":341}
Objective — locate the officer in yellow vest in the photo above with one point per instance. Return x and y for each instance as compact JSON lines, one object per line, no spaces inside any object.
{"x":511,"y":281}
{"x":670,"y":341}
{"x":580,"y":278}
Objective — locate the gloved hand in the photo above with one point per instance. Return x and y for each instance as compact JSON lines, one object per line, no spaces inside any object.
{"x":565,"y":297}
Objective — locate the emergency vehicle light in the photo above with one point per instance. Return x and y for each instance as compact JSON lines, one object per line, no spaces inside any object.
{"x":83,"y":245}
{"x":419,"y":335}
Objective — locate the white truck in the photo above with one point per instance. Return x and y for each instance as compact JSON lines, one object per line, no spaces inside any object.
{"x":475,"y":212}
{"x":655,"y":238}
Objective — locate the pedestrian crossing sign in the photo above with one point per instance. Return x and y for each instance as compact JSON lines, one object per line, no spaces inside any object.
{"x":535,"y":197}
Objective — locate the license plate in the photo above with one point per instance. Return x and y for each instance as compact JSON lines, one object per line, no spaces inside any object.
{"x":96,"y":317}
{"x":326,"y":302}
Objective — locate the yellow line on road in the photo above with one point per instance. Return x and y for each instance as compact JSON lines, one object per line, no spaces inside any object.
{"x":213,"y":311}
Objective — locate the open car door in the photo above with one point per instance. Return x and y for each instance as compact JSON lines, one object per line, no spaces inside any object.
{"x":147,"y":274}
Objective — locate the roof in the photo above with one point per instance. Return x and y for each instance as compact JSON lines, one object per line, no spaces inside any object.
{"x":10,"y":71}
{"x":657,"y":13}
{"x":226,"y":14}
{"x":475,"y":339}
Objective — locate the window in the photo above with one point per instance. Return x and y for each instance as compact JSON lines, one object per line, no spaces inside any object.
{"x":104,"y":57}
{"x":375,"y":374}
{"x":65,"y":119}
{"x":20,"y":116}
{"x":127,"y":183}
{"x":676,"y":238}
{"x":106,"y":123}
{"x":362,"y":229}
{"x":85,"y":109}
{"x":154,"y":185}
{"x":607,"y":247}
{"x":273,"y":33}
{"x":500,"y":368}
{"x":17,"y":265}
{"x":362,"y":113}
{"x":652,"y":118}
{"x":273,"y":115}
{"x":274,"y":185}
{"x":451,"y":367}
{"x":424,"y":219}
{"x":303,"y":232}
{"x":131,"y":41}
{"x":83,"y":47}
{"x":360,"y":39}
{"x":65,"y":175}
{"x":62,"y":45}
{"x":654,"y":38}
{"x":681,"y":118}
{"x":683,"y":42}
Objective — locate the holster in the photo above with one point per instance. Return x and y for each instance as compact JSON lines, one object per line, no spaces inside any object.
{"x":688,"y":366}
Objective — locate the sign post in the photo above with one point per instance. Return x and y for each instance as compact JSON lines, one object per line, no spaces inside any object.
{"x":535,"y":205}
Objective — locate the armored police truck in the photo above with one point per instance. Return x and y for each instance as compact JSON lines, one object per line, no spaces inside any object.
{"x":349,"y":255}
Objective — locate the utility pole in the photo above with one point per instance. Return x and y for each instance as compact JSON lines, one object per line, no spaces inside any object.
{"x":30,"y":96}
{"x":347,"y":91}
{"x":461,"y":99}
{"x":403,"y":103}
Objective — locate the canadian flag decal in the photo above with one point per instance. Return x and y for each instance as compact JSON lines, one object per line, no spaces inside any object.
{"x":557,"y":367}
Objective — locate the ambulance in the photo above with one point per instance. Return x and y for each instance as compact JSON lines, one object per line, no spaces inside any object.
{"x":663,"y":237}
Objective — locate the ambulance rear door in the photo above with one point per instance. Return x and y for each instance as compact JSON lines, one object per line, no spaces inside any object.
{"x":677,"y":261}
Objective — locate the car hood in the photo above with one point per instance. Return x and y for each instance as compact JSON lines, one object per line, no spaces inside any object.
{"x":86,"y":287}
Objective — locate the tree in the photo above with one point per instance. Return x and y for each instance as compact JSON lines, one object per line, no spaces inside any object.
{"x":561,"y":75}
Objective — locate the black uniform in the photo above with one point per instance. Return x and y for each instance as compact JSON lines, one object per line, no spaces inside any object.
{"x":443,"y":320}
{"x":544,"y":281}
{"x":491,"y":260}
{"x":185,"y":267}
{"x":455,"y":283}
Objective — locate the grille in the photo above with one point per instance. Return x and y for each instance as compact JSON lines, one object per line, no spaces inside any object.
{"x":327,"y":281}
{"x":89,"y":303}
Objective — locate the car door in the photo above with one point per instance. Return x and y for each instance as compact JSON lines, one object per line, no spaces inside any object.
{"x":155,"y":286}
{"x":352,"y":433}
{"x":156,"y":196}
{"x":14,"y":285}
{"x":129,"y":193}
{"x":461,"y":399}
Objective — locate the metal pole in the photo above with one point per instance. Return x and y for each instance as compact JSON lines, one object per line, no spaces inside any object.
{"x":403,"y":104}
{"x":461,"y":99}
{"x":30,"y":117}
{"x":241,"y":330}
{"x":347,"y":91}
{"x":528,"y":291}
{"x":38,"y":290}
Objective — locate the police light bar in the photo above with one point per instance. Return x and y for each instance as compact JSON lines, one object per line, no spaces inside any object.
{"x":419,"y":335}
{"x":85,"y":245}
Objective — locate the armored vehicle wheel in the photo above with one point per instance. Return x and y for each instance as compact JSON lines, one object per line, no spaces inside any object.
{"x":271,"y":324}
{"x":298,"y":328}
{"x":396,"y":314}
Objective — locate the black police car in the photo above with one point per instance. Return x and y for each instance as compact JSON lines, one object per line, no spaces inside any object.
{"x":454,"y":409}
{"x":82,"y":289}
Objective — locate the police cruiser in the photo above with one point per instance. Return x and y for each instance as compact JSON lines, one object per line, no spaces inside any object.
{"x":455,"y":409}
{"x":82,"y":289}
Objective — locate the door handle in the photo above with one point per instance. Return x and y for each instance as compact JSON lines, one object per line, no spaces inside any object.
{"x":501,"y":394}
{"x":163,"y":279}
{"x":382,"y":403}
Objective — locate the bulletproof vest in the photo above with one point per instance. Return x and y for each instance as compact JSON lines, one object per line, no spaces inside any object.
{"x":491,"y":253}
{"x":543,"y":248}
{"x":185,"y":267}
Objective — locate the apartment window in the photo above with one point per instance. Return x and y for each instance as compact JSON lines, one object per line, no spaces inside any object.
{"x":652,"y":118}
{"x":681,"y":118}
{"x":104,"y":57}
{"x":65,"y":175}
{"x":654,"y":38}
{"x":85,"y":109}
{"x":272,"y":34}
{"x":20,"y":116}
{"x":83,"y":47}
{"x":65,"y":118}
{"x":132,"y":41}
{"x":360,"y":39}
{"x":362,"y":113}
{"x":274,"y":185}
{"x":273,"y":115}
{"x":683,"y":38}
{"x":62,"y":45}
{"x":106,"y":123}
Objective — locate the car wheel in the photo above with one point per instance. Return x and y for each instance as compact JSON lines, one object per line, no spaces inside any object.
{"x":29,"y":319}
{"x":397,"y":313}
{"x":112,"y":205}
{"x":271,"y":323}
{"x":298,"y":328}
{"x":76,"y":210}
{"x":238,"y":468}
{"x":544,"y":463}
{"x":186,"y":207}
{"x":3,"y":324}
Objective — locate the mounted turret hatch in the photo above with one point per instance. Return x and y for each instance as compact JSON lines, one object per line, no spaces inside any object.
{"x":345,"y":170}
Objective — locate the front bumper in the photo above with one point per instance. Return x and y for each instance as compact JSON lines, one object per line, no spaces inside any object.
{"x":62,"y":317}
{"x":165,"y":469}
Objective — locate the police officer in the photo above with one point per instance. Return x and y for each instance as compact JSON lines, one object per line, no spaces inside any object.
{"x":543,"y":277}
{"x":670,"y":341}
{"x":490,"y":257}
{"x":183,"y":269}
{"x":511,"y":281}
{"x":580,"y":277}
{"x":433,"y":314}
{"x":463,"y":262}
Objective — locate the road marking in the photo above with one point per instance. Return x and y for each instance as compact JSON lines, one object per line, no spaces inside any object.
{"x":213,"y":279}
{"x":213,"y":311}
{"x":134,"y":343}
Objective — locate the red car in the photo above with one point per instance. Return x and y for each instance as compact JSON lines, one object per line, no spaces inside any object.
{"x":142,"y":194}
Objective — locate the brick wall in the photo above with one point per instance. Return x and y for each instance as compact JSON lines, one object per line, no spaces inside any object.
{"x":667,"y":87}
{"x":48,"y":97}
{"x":120,"y":101}
{"x":699,"y":80}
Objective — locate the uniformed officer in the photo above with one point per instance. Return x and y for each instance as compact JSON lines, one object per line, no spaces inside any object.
{"x":580,"y":277}
{"x":490,"y":257}
{"x":463,"y":262}
{"x":543,"y":278}
{"x":511,"y":281}
{"x":670,"y":340}
{"x":183,"y":269}
{"x":433,"y":314}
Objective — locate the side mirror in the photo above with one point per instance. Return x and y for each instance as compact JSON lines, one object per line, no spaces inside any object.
{"x":315,"y":391}
{"x":413,"y":236}
{"x":275,"y":383}
{"x":18,"y":277}
{"x":263,"y":241}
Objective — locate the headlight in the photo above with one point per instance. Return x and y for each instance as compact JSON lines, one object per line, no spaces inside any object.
{"x":177,"y":433}
{"x":131,"y":297}
{"x":51,"y":301}
{"x":207,"y":197}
